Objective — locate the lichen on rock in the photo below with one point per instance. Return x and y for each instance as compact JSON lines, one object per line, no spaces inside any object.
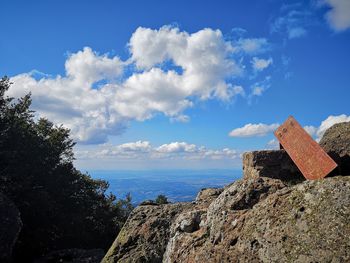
{"x":145,"y":234}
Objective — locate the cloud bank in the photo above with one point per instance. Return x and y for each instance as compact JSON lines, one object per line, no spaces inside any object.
{"x":253,"y":130}
{"x":142,"y":154}
{"x":167,"y":72}
{"x":143,"y":150}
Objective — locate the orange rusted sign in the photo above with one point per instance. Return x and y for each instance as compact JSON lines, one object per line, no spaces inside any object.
{"x":309,"y":157}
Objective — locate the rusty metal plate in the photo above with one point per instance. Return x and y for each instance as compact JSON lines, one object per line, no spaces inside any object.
{"x":309,"y":157}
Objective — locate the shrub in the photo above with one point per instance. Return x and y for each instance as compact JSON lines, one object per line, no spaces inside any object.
{"x":60,"y":206}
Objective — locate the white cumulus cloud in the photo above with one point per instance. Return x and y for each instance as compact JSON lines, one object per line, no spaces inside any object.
{"x":72,"y":101}
{"x":338,"y":16}
{"x":168,"y":71}
{"x":176,"y":147}
{"x":260,"y":64}
{"x":251,"y":130}
{"x":145,"y":151}
{"x":139,"y":146}
{"x":88,"y":67}
{"x":204,"y":58}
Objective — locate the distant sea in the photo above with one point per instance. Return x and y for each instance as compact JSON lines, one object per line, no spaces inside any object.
{"x":176,"y":185}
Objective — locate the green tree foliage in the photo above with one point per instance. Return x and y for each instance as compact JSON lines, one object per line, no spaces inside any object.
{"x":60,"y":206}
{"x":161,"y":199}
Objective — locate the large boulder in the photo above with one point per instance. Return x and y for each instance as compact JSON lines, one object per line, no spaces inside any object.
{"x":145,"y":234}
{"x":336,"y":142}
{"x":10,"y":226}
{"x":219,"y":224}
{"x":251,"y":220}
{"x":265,"y":221}
{"x":270,"y":163}
{"x":306,"y":223}
{"x":207,"y":195}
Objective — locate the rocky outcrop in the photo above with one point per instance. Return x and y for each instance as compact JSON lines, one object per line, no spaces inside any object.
{"x":219,"y":224}
{"x":269,"y":222}
{"x":336,"y":142}
{"x":271,"y":215}
{"x":305,"y":223}
{"x":10,"y":226}
{"x":207,"y":195}
{"x":145,"y":234}
{"x":271,"y":163}
{"x":255,"y":220}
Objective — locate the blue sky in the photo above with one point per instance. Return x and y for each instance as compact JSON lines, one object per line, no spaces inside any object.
{"x":178,"y":84}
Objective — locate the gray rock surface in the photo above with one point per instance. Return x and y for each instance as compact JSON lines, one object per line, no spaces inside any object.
{"x":207,"y":195}
{"x":308,"y":222}
{"x":251,"y":220}
{"x":254,"y":220}
{"x":336,"y":142}
{"x":220,"y":222}
{"x":270,"y":163}
{"x":145,"y":234}
{"x":10,"y":226}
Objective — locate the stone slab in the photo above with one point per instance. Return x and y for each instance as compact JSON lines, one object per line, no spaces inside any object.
{"x":270,"y":163}
{"x":309,"y":157}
